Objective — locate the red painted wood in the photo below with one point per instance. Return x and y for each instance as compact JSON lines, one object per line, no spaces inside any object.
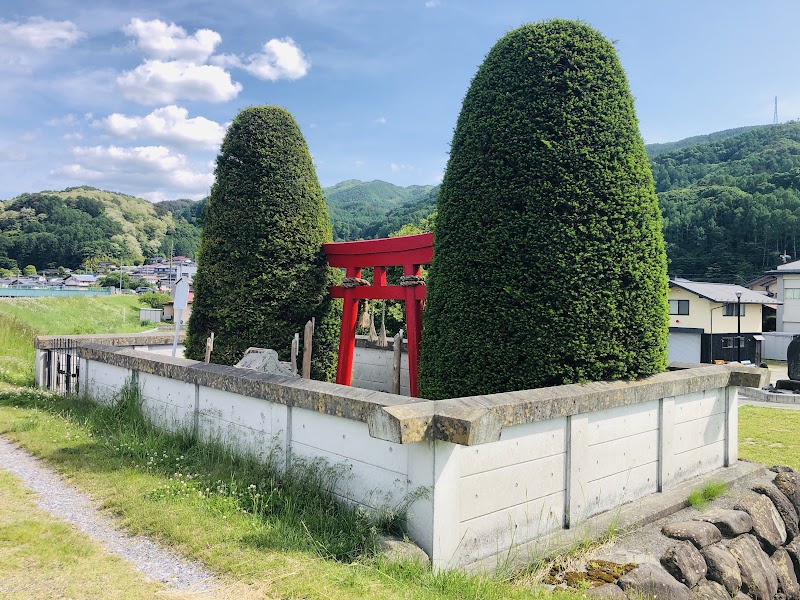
{"x":418,"y":256}
{"x":410,"y":252}
{"x":375,"y":292}
{"x":347,"y":334}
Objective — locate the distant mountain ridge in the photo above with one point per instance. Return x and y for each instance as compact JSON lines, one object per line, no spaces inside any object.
{"x":730,"y":200}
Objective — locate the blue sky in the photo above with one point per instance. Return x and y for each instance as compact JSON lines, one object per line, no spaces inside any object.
{"x":135,"y":96}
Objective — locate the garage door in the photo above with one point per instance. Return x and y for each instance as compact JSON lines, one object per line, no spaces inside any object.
{"x":684,"y":347}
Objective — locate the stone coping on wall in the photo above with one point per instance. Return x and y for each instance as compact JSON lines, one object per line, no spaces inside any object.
{"x":466,"y":421}
{"x":155,"y":338}
{"x":363,"y":342}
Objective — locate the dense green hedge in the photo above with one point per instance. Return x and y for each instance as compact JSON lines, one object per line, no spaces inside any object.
{"x":549,"y":262}
{"x":261,"y":270}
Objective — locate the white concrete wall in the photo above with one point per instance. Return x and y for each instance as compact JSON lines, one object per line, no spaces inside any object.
{"x":470,"y":502}
{"x":372,"y":370}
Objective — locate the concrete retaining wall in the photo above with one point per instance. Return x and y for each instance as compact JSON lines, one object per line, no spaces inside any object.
{"x":488,"y":472}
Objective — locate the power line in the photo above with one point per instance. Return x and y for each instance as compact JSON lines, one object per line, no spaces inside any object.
{"x":775,"y":115}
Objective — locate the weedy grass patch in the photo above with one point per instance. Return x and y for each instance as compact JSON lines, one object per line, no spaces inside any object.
{"x":282,"y":534}
{"x":700,"y":497}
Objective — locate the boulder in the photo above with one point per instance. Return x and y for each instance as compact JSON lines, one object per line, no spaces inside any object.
{"x":789,"y":483}
{"x":722,"y":568}
{"x":685,"y":563}
{"x":700,"y":533}
{"x":265,"y":360}
{"x":710,"y":590}
{"x":793,"y":548}
{"x":787,"y":579}
{"x":651,"y":580}
{"x":759,"y":580}
{"x":784,"y":506}
{"x":607,"y":590}
{"x":398,"y":550}
{"x":781,"y":469}
{"x":768,"y":526}
{"x":730,"y":522}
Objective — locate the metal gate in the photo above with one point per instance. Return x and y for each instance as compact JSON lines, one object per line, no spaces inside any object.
{"x":62,"y":367}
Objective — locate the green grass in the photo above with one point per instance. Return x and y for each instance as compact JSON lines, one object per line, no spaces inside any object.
{"x":769,"y":435}
{"x":281,"y":536}
{"x":699,"y":498}
{"x":41,"y":557}
{"x":21,"y":319}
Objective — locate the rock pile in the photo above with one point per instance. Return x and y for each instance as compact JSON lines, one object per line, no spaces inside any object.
{"x":752,"y":551}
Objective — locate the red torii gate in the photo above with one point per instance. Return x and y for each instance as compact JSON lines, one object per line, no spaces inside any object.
{"x":410,"y":252}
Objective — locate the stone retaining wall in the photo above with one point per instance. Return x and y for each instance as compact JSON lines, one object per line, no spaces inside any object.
{"x":490,"y":472}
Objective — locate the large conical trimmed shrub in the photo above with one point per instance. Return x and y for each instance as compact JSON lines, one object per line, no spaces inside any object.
{"x":549,"y":262}
{"x":261,"y":272}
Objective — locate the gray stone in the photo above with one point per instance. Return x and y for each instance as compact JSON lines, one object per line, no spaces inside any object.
{"x":608,"y":590}
{"x":265,"y":360}
{"x":710,"y":590}
{"x":785,"y":508}
{"x":700,"y":533}
{"x":787,"y":579}
{"x":684,"y":562}
{"x":781,"y":469}
{"x":730,"y":522}
{"x":722,"y":568}
{"x":397,"y":550}
{"x":651,"y":580}
{"x":768,"y":526}
{"x":741,"y":596}
{"x":793,"y":548}
{"x":789,"y":483}
{"x":759,"y":580}
{"x":793,"y":359}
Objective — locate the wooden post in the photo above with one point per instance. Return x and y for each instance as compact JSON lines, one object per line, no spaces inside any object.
{"x":209,"y":347}
{"x":308,"y":337}
{"x":294,"y":351}
{"x":397,"y":360}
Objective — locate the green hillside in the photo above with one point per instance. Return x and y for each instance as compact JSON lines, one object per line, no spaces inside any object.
{"x":84,"y":225}
{"x":731,"y":207}
{"x":363,"y":210}
{"x":654,"y":150}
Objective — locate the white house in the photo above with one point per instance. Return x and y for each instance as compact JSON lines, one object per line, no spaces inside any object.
{"x":787,"y":291}
{"x":714,"y":321}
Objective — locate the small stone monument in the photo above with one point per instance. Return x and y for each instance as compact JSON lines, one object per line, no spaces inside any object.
{"x":265,"y":360}
{"x":793,"y":363}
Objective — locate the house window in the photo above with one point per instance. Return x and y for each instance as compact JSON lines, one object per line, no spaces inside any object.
{"x":732,"y":342}
{"x":679,"y":307}
{"x":730,"y":309}
{"x":791,"y":294}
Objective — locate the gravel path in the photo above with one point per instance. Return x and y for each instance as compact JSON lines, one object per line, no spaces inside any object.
{"x":73,"y":506}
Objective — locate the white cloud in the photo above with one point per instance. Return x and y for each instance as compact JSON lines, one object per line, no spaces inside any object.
{"x":279,"y":59}
{"x":145,"y":166}
{"x":381,"y":120}
{"x":160,"y":82}
{"x":39,"y":33}
{"x":359,"y":163}
{"x":158,"y":39}
{"x":397,"y":167}
{"x":169,"y":124}
{"x":13,"y":154}
{"x":24,"y":45}
{"x":69,"y":119}
{"x":432,"y":3}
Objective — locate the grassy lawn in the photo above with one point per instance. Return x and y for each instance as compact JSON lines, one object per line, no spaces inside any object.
{"x":41,"y":557}
{"x":21,"y":319}
{"x":769,"y":435}
{"x":279,"y":536}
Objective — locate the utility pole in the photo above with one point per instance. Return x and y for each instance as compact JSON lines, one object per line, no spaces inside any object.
{"x":739,"y":327}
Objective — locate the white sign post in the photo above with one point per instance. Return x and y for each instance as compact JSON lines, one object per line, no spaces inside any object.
{"x":181,"y":301}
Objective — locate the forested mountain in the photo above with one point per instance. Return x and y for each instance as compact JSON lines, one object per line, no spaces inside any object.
{"x":654,"y":150}
{"x":84,"y":225}
{"x":730,"y":200}
{"x":731,"y":207}
{"x":363,"y":210}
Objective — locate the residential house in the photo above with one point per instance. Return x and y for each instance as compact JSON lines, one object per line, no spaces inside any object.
{"x":787,"y":292}
{"x":704,"y":322}
{"x":82,"y":281}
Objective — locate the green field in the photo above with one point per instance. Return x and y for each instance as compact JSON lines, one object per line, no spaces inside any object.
{"x":21,"y":319}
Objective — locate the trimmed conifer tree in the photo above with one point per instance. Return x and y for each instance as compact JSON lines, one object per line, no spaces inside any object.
{"x":549,"y":263}
{"x":261,"y":272}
